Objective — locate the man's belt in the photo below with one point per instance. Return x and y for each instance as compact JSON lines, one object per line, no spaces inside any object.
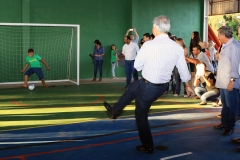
{"x":155,"y":84}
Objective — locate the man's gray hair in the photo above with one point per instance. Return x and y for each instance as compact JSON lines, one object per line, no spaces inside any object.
{"x":226,"y":30}
{"x":162,"y":23}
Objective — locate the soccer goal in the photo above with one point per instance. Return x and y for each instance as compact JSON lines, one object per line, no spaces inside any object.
{"x":58,"y":44}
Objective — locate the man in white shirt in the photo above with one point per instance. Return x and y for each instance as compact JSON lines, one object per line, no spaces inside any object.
{"x":146,"y":37}
{"x":156,"y":59}
{"x":132,"y":36}
{"x":201,"y":57}
{"x":129,"y":51}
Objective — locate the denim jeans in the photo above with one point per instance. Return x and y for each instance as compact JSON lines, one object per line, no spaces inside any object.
{"x":214,"y":65}
{"x":144,"y":94}
{"x":238,"y":104}
{"x":205,"y":95}
{"x":230,"y":106}
{"x":176,"y":81}
{"x":97,"y":66}
{"x":130,"y":70}
{"x":113,"y":68}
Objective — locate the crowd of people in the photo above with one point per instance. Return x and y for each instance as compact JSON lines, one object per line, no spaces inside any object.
{"x":199,"y":52}
{"x":163,"y":58}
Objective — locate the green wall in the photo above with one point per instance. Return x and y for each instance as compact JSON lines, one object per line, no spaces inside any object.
{"x":11,"y":11}
{"x":186,"y":16}
{"x":106,"y":20}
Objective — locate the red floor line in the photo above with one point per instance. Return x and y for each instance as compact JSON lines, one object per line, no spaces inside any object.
{"x":101,"y":98}
{"x":101,"y":144}
{"x":17,"y":103}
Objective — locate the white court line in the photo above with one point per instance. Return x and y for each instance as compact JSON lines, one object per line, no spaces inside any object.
{"x":33,"y":142}
{"x":175,"y":156}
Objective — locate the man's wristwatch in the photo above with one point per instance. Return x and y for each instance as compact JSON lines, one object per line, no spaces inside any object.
{"x":232,"y":79}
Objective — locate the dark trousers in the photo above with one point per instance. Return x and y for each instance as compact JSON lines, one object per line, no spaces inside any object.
{"x":176,"y":81}
{"x":144,"y":94}
{"x":239,"y":103}
{"x":97,"y":66}
{"x":230,"y":106}
{"x":130,"y":70}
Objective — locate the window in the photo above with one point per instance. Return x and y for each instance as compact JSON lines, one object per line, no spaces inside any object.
{"x":217,"y":7}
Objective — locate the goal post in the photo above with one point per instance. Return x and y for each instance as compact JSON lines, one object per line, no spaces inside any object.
{"x":57,"y":44}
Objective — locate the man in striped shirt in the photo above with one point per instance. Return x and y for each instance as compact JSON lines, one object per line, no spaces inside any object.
{"x":156,"y":59}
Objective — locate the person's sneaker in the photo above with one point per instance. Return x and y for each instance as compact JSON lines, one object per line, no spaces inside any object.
{"x":94,"y":79}
{"x":115,"y":78}
{"x":185,"y":96}
{"x":175,"y":95}
{"x":100,"y":79}
{"x":219,"y":116}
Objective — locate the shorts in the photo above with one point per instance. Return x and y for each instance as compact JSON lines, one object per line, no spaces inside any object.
{"x":192,"y":67}
{"x":38,"y":71}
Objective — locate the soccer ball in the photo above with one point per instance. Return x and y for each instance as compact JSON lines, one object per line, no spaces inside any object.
{"x":31,"y":86}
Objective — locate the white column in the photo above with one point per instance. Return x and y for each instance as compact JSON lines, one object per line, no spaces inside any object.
{"x":205,"y":21}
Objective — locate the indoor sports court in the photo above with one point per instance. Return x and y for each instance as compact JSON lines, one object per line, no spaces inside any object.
{"x":47,"y":124}
{"x":67,"y":120}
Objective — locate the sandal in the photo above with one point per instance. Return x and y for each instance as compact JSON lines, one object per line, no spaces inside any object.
{"x":215,"y":104}
{"x":202,"y":103}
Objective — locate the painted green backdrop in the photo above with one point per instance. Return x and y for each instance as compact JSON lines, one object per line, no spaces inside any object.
{"x":106,"y":20}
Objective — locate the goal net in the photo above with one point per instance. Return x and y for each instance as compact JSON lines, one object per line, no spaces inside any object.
{"x":57,"y":44}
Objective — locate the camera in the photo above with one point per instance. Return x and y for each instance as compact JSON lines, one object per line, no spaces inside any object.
{"x":90,"y":55}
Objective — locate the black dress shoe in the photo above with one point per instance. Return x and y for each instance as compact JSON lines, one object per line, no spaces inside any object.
{"x":235,"y":140}
{"x":238,"y":149}
{"x":227,"y":131}
{"x":145,"y":149}
{"x":109,"y":110}
{"x":220,"y":126}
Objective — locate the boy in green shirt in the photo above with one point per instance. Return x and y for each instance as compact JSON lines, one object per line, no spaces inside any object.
{"x":33,"y":60}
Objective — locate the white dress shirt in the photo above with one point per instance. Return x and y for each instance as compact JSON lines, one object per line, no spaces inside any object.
{"x":202,"y":57}
{"x":157,"y":59}
{"x":130,"y":51}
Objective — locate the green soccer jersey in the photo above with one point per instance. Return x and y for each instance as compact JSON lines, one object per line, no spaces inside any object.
{"x":113,"y":56}
{"x":34,"y":61}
